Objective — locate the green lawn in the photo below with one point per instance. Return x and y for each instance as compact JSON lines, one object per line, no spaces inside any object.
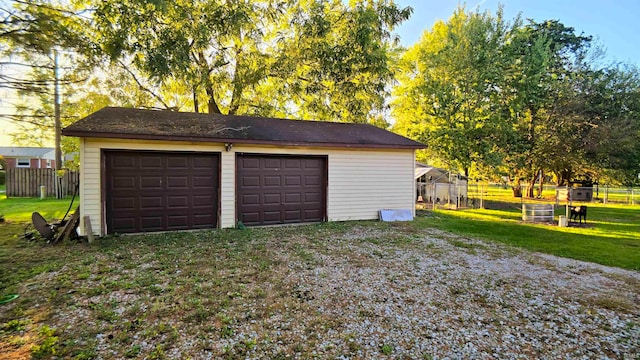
{"x":207,"y":281}
{"x":612,"y":236}
{"x":19,"y":210}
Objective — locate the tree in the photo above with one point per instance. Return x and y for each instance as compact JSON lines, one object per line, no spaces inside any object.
{"x":612,"y":111}
{"x":448,"y":86}
{"x":265,"y":57}
{"x":32,"y":31}
{"x":543,"y":58}
{"x":518,"y":99}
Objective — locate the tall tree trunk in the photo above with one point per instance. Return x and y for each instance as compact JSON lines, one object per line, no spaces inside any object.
{"x":237,"y":87}
{"x":517,"y":189}
{"x":531,"y":186}
{"x":213,"y":106}
{"x":195,"y":100}
{"x":531,"y":139}
{"x":541,"y":188}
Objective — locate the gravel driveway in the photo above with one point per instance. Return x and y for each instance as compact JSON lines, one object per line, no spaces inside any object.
{"x":447,"y":297}
{"x":375,"y":292}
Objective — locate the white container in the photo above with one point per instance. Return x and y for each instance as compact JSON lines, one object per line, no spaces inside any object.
{"x":562,"y":221}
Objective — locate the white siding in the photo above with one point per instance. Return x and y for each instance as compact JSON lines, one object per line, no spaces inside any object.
{"x":360,"y":182}
{"x":228,"y":190}
{"x":363,"y":182}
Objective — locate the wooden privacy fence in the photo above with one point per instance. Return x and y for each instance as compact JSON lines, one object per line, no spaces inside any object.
{"x":27,"y":182}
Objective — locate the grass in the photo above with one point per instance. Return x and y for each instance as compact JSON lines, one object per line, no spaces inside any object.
{"x":190,"y":277}
{"x":612,"y":238}
{"x":134,"y":289}
{"x":19,"y":210}
{"x":620,"y":195}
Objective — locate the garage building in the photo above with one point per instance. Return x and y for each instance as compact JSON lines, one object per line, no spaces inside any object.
{"x":146,"y":170}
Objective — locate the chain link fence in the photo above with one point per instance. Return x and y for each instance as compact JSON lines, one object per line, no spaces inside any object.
{"x":480,"y":194}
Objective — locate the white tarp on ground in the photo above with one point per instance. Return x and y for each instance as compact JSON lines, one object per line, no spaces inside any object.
{"x":396,"y":215}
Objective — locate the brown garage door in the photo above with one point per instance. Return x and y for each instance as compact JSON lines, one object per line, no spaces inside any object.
{"x":280,"y":189}
{"x":160,"y":191}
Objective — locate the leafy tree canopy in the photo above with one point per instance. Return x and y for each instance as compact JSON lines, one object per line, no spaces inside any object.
{"x":317,"y":59}
{"x":517,"y":98}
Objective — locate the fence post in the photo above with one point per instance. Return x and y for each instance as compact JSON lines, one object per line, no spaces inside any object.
{"x":568,"y":201}
{"x":433,"y":199}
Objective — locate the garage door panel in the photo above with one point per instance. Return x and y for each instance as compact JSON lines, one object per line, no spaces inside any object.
{"x":292,"y":198}
{"x":312,"y":198}
{"x":292,"y":215}
{"x":250,"y":199}
{"x":177,"y":162}
{"x":177,"y":182}
{"x":312,"y":214}
{"x":251,"y":181}
{"x":279,"y":189}
{"x":202,"y":182}
{"x":250,"y":217}
{"x":250,"y":163}
{"x":125,"y":224}
{"x":151,"y":202}
{"x":314,"y":163}
{"x":270,"y":199}
{"x":177,"y":221}
{"x":151,"y":183}
{"x":203,"y":200}
{"x":124,"y":203}
{"x":312,"y":180}
{"x":272,"y":217}
{"x":178,"y":202}
{"x":202,"y":220}
{"x":160,"y":191}
{"x":292,"y":163}
{"x":272,"y":181}
{"x":271,"y":164}
{"x":292,"y":180}
{"x":124,"y":182}
{"x":150,"y":162}
{"x":151,"y":222}
{"x":202,"y":162}
{"x":123,"y":162}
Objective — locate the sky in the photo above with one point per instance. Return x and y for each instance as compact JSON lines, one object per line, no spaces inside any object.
{"x":614,"y":24}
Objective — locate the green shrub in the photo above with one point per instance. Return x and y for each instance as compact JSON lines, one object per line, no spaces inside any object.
{"x":2,"y":177}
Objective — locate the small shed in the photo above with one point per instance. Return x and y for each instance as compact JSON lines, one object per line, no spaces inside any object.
{"x":439,"y":185}
{"x":145,"y":170}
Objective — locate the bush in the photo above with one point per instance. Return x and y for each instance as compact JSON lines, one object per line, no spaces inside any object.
{"x":2,"y":177}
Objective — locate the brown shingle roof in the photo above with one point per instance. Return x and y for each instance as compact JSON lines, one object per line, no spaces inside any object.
{"x":111,"y":122}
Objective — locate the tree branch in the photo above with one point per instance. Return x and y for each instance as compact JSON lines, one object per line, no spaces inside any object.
{"x":142,"y":87}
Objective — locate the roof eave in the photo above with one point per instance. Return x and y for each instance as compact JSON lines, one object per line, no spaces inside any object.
{"x":108,"y":135}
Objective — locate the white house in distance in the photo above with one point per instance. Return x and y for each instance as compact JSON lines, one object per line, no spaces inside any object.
{"x":29,"y":157}
{"x":145,"y":170}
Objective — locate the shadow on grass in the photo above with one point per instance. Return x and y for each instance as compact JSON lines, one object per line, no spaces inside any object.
{"x":612,"y":237}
